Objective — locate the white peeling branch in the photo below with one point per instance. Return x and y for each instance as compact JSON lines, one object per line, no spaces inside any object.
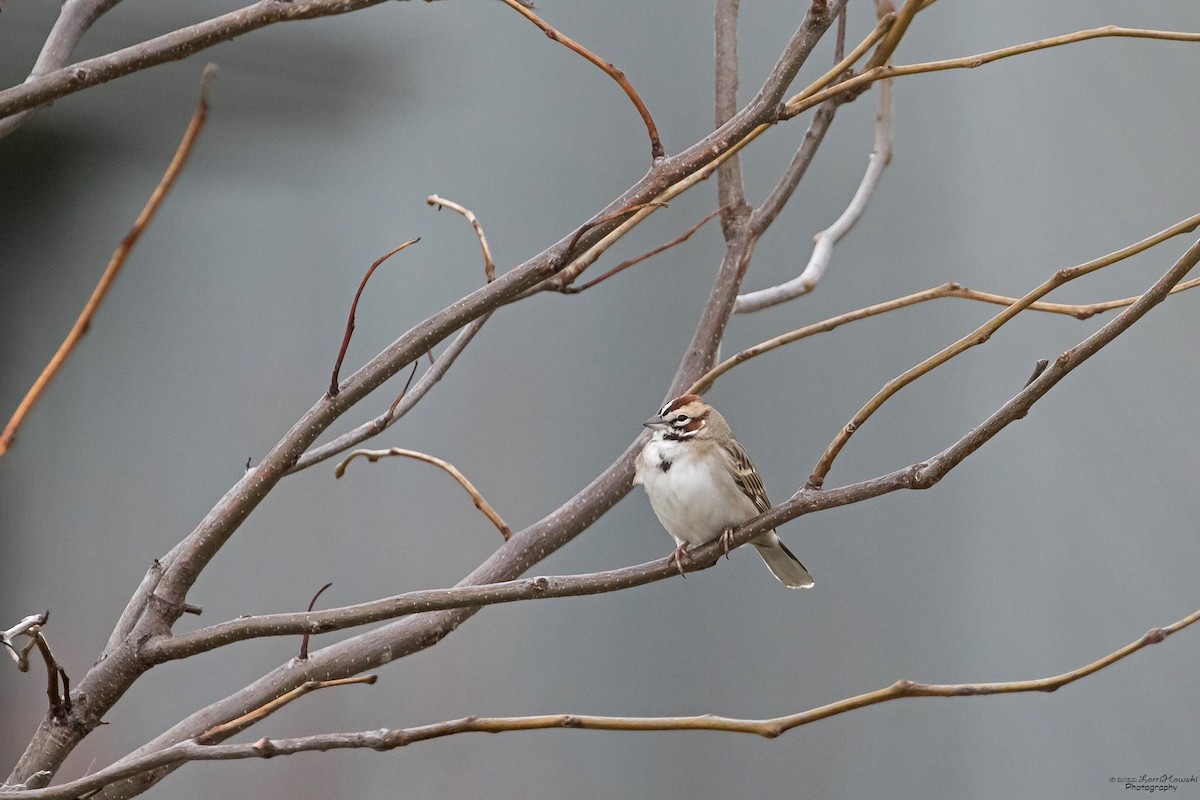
{"x":818,"y":263}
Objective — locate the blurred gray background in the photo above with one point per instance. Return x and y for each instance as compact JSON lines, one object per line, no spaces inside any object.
{"x":1066,"y":537}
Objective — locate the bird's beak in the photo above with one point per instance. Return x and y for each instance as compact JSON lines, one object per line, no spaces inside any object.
{"x":655,"y":424}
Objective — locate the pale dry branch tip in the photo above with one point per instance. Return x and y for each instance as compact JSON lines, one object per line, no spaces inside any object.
{"x":478,"y":499}
{"x":489,"y":265}
{"x":526,"y":10}
{"x":86,"y":317}
{"x":337,"y":366}
{"x":822,"y":253}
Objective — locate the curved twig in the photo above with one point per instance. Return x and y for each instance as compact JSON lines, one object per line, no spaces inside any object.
{"x":84,"y":322}
{"x":453,"y":471}
{"x":489,"y":266}
{"x":218,"y":732}
{"x":337,"y":365}
{"x":656,"y":147}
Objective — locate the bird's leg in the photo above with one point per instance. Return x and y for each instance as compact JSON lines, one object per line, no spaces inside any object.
{"x":727,"y":540}
{"x":678,"y":554}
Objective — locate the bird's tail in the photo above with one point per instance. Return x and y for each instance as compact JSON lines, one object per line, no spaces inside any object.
{"x":782,"y":563}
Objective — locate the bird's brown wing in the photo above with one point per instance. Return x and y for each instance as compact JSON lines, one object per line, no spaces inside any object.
{"x":746,"y":476}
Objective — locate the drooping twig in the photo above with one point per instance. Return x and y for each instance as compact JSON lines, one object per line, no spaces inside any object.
{"x":31,"y":627}
{"x":453,"y":471}
{"x":624,"y":265}
{"x":119,"y":256}
{"x":489,"y":266}
{"x":26,"y":627}
{"x":978,"y":337}
{"x":384,"y":739}
{"x":656,"y":148}
{"x":806,"y":281}
{"x":391,"y":412}
{"x":217,"y":732}
{"x":304,"y":640}
{"x":337,"y":366}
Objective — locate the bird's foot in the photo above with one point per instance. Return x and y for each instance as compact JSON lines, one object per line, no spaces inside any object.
{"x":678,"y":555}
{"x":726,"y":541}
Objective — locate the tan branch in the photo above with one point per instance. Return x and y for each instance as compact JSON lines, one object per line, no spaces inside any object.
{"x":218,"y":732}
{"x":453,"y":471}
{"x":656,"y":148}
{"x":195,"y":750}
{"x":119,"y":256}
{"x":807,"y":98}
{"x":981,"y":335}
{"x":489,"y":266}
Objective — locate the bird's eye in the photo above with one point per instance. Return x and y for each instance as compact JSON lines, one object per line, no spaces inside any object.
{"x":682,"y":418}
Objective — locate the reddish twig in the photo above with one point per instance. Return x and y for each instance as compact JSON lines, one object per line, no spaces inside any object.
{"x":119,"y":256}
{"x":631,"y":262}
{"x":304,"y":641}
{"x":391,"y":412}
{"x":489,"y":266}
{"x":337,"y":367}
{"x":656,"y":147}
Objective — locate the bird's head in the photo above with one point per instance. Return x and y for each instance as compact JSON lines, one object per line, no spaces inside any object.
{"x":687,"y":417}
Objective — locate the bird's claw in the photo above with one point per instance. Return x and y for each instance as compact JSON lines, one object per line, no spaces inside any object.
{"x":678,"y":555}
{"x":726,"y":541}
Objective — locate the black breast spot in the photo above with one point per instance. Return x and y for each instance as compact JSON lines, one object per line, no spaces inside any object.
{"x":664,"y":465}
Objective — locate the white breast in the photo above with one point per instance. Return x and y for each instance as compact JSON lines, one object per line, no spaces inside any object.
{"x":695,"y":498}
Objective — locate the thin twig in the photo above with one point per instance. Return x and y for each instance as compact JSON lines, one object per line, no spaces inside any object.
{"x":806,"y":281}
{"x":624,"y":265}
{"x":384,"y":739}
{"x":656,"y":147}
{"x":953,"y":290}
{"x":391,"y":412}
{"x":887,"y":47}
{"x":453,"y":471}
{"x":807,"y":99}
{"x":489,"y":266}
{"x":337,"y":366}
{"x":402,"y":405}
{"x":304,"y":640}
{"x":981,"y":335}
{"x":218,"y":732}
{"x":119,"y":256}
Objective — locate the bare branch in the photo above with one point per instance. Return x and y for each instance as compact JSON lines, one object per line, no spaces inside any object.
{"x":74,"y":19}
{"x":26,"y":627}
{"x":401,"y":406}
{"x":489,"y":266}
{"x":656,"y":148}
{"x":172,"y":46}
{"x":883,"y":53}
{"x":731,"y":193}
{"x":303,"y":656}
{"x":451,"y":470}
{"x":806,"y":281}
{"x":624,"y":265}
{"x":384,"y":739}
{"x":337,"y":365}
{"x":84,"y":322}
{"x":979,"y":336}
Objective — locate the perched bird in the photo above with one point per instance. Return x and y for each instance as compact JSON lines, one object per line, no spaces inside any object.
{"x":702,"y":485}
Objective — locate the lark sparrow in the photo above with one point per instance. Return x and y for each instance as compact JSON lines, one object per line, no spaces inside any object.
{"x":702,"y":485}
